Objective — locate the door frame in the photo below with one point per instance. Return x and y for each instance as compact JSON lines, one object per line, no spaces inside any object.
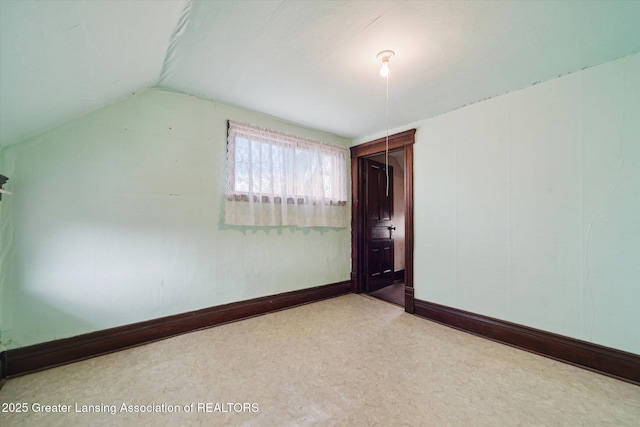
{"x":403,"y":140}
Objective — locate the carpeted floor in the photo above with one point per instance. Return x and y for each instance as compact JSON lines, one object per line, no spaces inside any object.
{"x":352,"y":360}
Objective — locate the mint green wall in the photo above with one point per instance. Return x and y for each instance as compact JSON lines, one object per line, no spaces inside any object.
{"x":526,"y":210}
{"x":528,"y":206}
{"x":116,"y":218}
{"x":6,"y":239}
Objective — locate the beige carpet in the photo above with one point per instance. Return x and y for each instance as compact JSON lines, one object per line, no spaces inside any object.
{"x":351,"y":360}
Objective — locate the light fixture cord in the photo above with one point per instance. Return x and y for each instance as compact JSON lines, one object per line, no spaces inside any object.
{"x":386,"y":152}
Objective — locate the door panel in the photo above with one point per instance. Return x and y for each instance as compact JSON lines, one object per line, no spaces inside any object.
{"x":378,"y":226}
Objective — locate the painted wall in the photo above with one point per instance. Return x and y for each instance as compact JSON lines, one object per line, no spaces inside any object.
{"x":5,"y":241}
{"x":528,"y":206}
{"x":116,"y":218}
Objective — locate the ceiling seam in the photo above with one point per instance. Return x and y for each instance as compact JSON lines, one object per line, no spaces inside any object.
{"x":181,"y":28}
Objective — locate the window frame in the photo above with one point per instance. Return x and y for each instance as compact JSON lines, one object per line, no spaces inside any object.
{"x":337,"y":197}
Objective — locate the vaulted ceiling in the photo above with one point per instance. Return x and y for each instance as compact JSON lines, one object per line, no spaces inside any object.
{"x":308,"y":62}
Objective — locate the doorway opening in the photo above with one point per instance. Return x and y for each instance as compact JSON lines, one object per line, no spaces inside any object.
{"x":384,"y":226}
{"x":382,"y":220}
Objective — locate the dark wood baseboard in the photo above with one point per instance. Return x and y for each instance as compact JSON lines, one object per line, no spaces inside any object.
{"x":59,"y":352}
{"x":615,"y":363}
{"x":398,"y":276}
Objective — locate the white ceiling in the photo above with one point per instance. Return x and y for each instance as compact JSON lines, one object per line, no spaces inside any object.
{"x":308,"y":62}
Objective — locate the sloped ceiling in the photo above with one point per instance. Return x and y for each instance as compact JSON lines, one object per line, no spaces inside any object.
{"x":308,"y":62}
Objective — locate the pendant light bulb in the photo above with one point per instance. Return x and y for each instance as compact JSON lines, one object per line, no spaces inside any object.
{"x":384,"y":70}
{"x":384,"y":56}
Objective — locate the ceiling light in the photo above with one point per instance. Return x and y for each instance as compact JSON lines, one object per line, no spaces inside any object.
{"x":384,"y":56}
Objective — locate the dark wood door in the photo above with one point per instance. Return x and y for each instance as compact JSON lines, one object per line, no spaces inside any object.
{"x":378,"y":226}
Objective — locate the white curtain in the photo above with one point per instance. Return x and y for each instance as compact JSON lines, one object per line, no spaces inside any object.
{"x":276,"y":179}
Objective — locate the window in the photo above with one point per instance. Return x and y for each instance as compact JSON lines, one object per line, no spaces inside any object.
{"x":278,"y":179}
